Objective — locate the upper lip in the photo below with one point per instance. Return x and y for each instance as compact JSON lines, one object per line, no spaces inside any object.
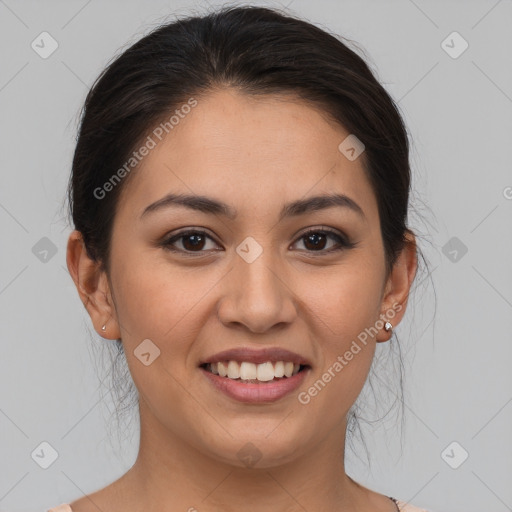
{"x":257,"y":356}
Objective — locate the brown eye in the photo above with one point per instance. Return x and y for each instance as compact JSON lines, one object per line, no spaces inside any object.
{"x":316,"y":240}
{"x":191,"y":241}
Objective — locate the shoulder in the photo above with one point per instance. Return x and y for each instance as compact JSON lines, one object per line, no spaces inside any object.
{"x":408,"y":507}
{"x":61,"y":508}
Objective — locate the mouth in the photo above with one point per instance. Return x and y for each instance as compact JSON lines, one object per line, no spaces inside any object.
{"x":256,"y":376}
{"x":251,"y":373}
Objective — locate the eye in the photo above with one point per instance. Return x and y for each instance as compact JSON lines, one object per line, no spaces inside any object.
{"x":191,"y":241}
{"x":317,"y":239}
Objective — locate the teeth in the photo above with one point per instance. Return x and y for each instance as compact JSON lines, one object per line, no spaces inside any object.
{"x":263,"y":372}
{"x":233,"y":370}
{"x":279,"y":369}
{"x":221,"y":367}
{"x":248,"y":371}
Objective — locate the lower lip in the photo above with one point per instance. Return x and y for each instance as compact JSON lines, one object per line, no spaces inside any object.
{"x":258,"y":392}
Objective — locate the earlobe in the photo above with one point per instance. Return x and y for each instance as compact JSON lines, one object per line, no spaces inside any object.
{"x":398,"y":287}
{"x":92,"y":286}
{"x":386,"y":331}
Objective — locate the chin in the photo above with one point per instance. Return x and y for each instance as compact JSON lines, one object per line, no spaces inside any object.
{"x":260,"y":448}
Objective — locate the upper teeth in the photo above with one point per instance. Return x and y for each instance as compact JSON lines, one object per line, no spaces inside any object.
{"x":250,"y":371}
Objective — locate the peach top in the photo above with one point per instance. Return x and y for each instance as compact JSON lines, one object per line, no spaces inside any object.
{"x":402,"y":505}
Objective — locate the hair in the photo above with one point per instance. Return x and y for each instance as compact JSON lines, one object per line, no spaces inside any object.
{"x":255,"y":51}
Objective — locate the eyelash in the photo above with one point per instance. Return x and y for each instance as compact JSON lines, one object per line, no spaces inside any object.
{"x":343,"y":242}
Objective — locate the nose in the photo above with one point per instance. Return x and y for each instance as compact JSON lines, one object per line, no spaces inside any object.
{"x":258,"y":295}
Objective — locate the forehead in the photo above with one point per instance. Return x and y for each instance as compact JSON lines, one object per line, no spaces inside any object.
{"x":253,"y":152}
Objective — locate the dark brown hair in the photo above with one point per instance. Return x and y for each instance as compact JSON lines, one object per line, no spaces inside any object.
{"x":257,"y":51}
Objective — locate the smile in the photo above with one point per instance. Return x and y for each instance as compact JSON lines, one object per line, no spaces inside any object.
{"x":253,"y":373}
{"x":252,"y":383}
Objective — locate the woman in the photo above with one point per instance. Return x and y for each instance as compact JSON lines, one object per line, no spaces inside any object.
{"x":239,"y":193}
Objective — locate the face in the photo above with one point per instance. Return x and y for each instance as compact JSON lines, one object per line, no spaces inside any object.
{"x":197,"y":282}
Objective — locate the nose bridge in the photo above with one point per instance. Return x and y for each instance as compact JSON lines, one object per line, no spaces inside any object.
{"x":257,"y":295}
{"x":257,"y":267}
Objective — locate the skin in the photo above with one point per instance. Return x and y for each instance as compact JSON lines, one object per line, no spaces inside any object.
{"x":256,"y":154}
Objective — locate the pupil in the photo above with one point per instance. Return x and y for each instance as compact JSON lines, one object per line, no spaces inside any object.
{"x":314,"y":239}
{"x":197,"y":240}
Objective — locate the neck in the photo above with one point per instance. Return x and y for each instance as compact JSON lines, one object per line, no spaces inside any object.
{"x":168,"y":470}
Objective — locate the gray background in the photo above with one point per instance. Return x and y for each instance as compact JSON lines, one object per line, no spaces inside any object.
{"x":458,"y":379}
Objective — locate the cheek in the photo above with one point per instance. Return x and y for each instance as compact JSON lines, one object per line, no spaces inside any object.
{"x":159,"y":303}
{"x":154,"y":297}
{"x":345,"y":303}
{"x":344,"y":310}
{"x":165,"y":304}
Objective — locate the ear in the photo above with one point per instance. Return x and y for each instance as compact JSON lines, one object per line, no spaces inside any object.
{"x":398,"y":285}
{"x":93,"y":287}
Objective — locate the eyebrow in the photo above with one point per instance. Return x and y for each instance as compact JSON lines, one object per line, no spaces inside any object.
{"x":212,"y":206}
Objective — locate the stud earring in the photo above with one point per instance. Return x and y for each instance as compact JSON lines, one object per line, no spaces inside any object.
{"x":388,"y":327}
{"x":104,"y":328}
